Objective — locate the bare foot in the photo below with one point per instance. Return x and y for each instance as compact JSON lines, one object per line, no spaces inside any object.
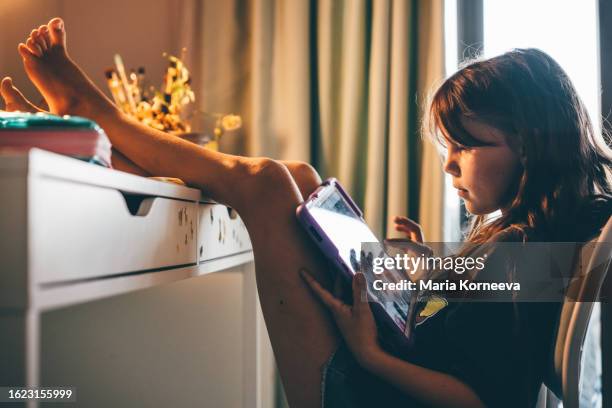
{"x":63,"y":85}
{"x":14,"y":99}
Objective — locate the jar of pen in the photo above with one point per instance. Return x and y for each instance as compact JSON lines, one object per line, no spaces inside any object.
{"x":166,"y":109}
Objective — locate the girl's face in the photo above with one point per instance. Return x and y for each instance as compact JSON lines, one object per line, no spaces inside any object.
{"x":486,"y":177}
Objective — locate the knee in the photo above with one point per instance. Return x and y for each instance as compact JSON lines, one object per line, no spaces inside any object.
{"x":305,"y":176}
{"x":267,"y":176}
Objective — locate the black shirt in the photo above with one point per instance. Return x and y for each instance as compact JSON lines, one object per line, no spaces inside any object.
{"x":502,"y":350}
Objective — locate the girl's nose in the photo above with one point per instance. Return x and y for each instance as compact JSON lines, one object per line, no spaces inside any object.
{"x":450,"y":164}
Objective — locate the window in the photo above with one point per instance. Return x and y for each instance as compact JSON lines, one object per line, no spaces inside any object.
{"x":452,"y":210}
{"x":565,"y":29}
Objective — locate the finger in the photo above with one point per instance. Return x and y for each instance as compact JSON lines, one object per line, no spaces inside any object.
{"x":402,"y":224}
{"x":411,"y":227}
{"x":407,"y":221}
{"x":360,"y":298}
{"x":401,"y":220}
{"x":410,"y":234}
{"x":323,"y":294}
{"x":405,"y":224}
{"x":403,"y":228}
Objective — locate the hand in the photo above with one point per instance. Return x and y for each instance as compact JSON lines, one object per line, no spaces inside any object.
{"x":356,"y":322}
{"x":413,"y":230}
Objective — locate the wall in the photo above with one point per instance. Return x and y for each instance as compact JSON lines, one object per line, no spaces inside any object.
{"x":139,"y":30}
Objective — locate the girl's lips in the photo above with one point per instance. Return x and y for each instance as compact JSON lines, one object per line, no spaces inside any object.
{"x":462,"y":192}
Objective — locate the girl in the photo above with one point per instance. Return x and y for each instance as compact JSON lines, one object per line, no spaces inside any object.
{"x":517,"y":140}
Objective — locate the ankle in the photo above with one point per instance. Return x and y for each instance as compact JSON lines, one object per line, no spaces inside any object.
{"x":93,"y":105}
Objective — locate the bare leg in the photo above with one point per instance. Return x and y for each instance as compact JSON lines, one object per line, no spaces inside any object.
{"x":304,"y":175}
{"x":15,"y":101}
{"x":261,"y":190}
{"x":122,"y":163}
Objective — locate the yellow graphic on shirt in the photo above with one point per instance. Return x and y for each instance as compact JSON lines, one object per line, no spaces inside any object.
{"x":434,"y":305}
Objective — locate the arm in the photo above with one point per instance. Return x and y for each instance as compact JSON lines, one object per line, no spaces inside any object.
{"x":356,"y":323}
{"x":431,"y":387}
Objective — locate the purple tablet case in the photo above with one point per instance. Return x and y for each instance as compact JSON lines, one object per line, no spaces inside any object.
{"x":402,"y":337}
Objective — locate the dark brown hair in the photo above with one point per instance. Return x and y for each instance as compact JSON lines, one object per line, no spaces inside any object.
{"x":566,"y":166}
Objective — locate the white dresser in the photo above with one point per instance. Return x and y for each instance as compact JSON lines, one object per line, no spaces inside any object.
{"x":107,"y":285}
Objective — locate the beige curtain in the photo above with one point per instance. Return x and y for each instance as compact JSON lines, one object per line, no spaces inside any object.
{"x":430,"y":61}
{"x":338,"y":83}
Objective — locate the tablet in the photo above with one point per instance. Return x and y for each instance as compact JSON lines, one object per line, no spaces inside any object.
{"x":336,"y":225}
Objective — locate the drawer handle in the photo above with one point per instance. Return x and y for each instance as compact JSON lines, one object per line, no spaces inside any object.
{"x":232,"y":213}
{"x":138,"y":205}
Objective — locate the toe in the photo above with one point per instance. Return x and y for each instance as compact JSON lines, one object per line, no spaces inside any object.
{"x":14,"y":99}
{"x":57,"y":32}
{"x":35,"y":38}
{"x":25,"y":52}
{"x":6,"y":85}
{"x":40,"y":41}
{"x":33,"y":47}
{"x":44,"y":32}
{"x":42,"y":38}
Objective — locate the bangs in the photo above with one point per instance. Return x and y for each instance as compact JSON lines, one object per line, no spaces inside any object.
{"x":447,"y":109}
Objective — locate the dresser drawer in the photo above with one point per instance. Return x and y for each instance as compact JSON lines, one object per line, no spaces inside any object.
{"x":221,"y":232}
{"x":81,"y":231}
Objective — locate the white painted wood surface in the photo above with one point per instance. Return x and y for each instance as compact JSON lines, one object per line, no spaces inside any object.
{"x":73,"y":255}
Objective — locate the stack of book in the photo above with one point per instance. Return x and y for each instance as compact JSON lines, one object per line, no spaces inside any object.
{"x":68,"y":135}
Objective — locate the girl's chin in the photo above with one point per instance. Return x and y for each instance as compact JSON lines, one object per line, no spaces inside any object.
{"x":478,"y":210}
{"x":473,"y":206}
{"x":475,"y":209}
